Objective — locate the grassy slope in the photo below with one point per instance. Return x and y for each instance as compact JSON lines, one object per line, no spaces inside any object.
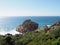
{"x":35,"y":38}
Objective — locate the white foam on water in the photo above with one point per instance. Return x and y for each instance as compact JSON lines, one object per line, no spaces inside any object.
{"x":13,"y":32}
{"x":48,"y":25}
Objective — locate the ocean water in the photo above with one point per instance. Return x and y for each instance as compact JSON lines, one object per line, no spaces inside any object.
{"x":9,"y":24}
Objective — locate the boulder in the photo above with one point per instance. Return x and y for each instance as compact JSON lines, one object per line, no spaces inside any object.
{"x":27,"y":25}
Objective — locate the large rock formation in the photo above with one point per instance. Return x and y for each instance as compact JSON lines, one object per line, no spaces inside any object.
{"x":27,"y":25}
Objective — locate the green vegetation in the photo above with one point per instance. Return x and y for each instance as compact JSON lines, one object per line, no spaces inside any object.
{"x":40,"y":37}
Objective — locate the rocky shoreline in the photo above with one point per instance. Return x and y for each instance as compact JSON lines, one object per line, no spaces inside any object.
{"x":32,"y":35}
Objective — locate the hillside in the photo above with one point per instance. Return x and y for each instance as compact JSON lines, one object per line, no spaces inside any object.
{"x":47,"y":36}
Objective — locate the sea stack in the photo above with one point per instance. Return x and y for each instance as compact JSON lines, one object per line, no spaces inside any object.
{"x":27,"y":26}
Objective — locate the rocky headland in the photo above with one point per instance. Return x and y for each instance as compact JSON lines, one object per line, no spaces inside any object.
{"x":32,"y":35}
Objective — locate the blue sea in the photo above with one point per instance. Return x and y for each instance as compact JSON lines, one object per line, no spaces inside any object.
{"x":9,"y":24}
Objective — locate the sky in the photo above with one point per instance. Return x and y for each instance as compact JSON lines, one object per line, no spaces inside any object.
{"x":29,"y":8}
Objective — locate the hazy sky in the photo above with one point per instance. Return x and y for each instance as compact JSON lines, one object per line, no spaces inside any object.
{"x":29,"y":8}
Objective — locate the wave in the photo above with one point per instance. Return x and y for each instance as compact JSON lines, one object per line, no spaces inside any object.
{"x":48,"y":25}
{"x":13,"y":32}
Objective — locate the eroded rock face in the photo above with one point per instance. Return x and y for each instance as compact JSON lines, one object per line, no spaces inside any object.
{"x":27,"y":25}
